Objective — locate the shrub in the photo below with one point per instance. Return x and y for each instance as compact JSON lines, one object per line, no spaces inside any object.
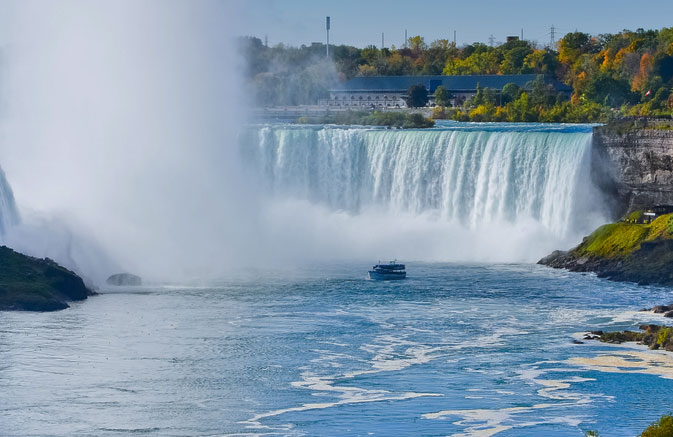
{"x":661,"y":428}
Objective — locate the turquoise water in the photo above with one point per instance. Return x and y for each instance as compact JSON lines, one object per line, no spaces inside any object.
{"x":457,"y":349}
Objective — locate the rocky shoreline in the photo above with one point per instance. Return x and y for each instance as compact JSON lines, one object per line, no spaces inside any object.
{"x":33,"y":284}
{"x":623,"y":251}
{"x":655,"y":337}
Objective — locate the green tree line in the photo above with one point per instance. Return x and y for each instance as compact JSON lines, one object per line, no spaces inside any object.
{"x":627,"y":73}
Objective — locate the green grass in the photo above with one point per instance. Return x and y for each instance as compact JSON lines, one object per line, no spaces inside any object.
{"x":618,"y":240}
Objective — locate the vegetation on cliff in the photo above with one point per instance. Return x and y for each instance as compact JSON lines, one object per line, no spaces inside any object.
{"x":32,"y":284}
{"x":629,"y":73}
{"x":376,"y":118}
{"x":624,"y":251}
{"x":662,"y":427}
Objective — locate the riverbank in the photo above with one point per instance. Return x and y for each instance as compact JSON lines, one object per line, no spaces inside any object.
{"x":32,"y":284}
{"x":653,"y":336}
{"x":624,"y":251}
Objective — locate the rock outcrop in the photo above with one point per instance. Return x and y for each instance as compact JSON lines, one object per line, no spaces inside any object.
{"x":622,"y":251}
{"x":120,"y":279}
{"x":634,"y":163}
{"x":32,"y":284}
{"x":654,"y":336}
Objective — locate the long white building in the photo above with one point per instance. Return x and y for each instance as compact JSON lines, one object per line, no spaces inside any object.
{"x":390,"y":91}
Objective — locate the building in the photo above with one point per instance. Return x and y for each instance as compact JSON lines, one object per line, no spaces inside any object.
{"x":390,"y":91}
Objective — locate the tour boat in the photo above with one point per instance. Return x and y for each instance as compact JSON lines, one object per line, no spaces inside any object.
{"x":385,"y":272}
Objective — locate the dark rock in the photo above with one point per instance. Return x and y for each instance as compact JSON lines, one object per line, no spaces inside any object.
{"x":577,"y":342}
{"x":668,"y":314}
{"x":661,"y":309}
{"x":124,"y":279}
{"x":32,"y":284}
{"x":654,"y":336}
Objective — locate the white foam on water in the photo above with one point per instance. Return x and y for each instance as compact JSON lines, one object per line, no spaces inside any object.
{"x":487,"y":422}
{"x":630,"y":358}
{"x":385,"y":350}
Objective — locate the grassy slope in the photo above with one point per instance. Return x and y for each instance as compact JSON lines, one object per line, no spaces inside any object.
{"x":621,"y":239}
{"x":625,"y":251}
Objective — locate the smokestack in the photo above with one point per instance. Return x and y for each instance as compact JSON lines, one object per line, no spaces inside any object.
{"x":327,"y":26}
{"x":406,"y":40}
{"x":382,"y":41}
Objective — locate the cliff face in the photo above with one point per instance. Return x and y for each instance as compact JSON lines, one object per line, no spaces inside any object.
{"x":634,"y":165}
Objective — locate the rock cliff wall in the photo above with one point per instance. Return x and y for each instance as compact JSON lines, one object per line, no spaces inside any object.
{"x":634,"y":165}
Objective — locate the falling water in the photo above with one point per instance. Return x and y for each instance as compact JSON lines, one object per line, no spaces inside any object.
{"x":469,"y":175}
{"x":9,"y":215}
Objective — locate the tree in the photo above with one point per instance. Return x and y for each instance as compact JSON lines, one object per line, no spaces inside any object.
{"x":442,"y":96}
{"x":603,"y":88}
{"x":510,"y":92}
{"x":661,"y":428}
{"x":541,"y":93}
{"x":417,"y":96}
{"x":417,"y":44}
{"x":484,"y":96}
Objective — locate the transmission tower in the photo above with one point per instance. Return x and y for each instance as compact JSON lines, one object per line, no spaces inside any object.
{"x":552,"y":37}
{"x":491,"y":40}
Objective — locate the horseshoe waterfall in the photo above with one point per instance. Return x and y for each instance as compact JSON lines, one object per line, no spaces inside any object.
{"x":526,"y":183}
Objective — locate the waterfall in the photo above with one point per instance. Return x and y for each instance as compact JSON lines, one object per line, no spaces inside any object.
{"x":9,"y":215}
{"x":475,"y":175}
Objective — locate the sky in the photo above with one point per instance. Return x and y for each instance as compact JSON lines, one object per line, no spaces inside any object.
{"x":361,"y":22}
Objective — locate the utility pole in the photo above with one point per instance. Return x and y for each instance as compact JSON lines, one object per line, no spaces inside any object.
{"x":491,"y":40}
{"x":327,"y":26}
{"x":552,"y":39}
{"x":454,"y":38}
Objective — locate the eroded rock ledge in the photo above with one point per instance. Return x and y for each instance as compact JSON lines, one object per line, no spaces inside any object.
{"x":33,"y":284}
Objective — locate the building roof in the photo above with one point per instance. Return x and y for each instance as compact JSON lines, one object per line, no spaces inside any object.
{"x":452,"y":83}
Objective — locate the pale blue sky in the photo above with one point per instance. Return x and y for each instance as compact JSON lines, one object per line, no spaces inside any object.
{"x":360,"y":22}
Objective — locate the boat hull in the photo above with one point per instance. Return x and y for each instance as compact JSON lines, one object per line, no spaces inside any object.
{"x":388,"y":276}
